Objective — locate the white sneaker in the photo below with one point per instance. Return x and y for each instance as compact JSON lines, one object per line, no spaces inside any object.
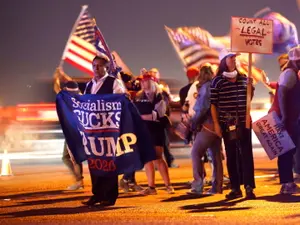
{"x":148,"y":191}
{"x":77,"y":186}
{"x":170,"y":189}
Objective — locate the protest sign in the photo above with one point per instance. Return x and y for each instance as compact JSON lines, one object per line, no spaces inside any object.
{"x":251,"y":35}
{"x":272,"y":136}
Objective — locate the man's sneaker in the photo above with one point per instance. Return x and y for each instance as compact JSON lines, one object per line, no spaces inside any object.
{"x":195,"y":192}
{"x":135,"y":187}
{"x":233,"y":194}
{"x":170,"y":189}
{"x":124,"y":185}
{"x":148,"y":191}
{"x":77,"y":186}
{"x":289,"y":188}
{"x":249,"y":193}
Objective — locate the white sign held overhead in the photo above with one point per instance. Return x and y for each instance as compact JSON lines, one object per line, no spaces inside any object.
{"x":252,"y":35}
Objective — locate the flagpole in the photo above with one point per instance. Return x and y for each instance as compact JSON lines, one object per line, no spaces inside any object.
{"x":249,"y":92}
{"x":84,"y":7}
{"x":174,"y":45}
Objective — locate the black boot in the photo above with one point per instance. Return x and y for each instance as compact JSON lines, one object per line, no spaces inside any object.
{"x":249,"y":193}
{"x":91,"y":202}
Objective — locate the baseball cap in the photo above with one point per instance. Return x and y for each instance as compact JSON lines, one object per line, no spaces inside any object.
{"x":192,"y":72}
{"x":294,"y":53}
{"x":225,"y":53}
{"x":147,"y":76}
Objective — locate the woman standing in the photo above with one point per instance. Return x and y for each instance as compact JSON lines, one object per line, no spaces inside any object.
{"x":205,"y":137}
{"x":152,"y":108}
{"x":228,"y":108}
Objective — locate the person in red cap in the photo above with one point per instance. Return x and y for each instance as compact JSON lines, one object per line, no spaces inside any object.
{"x":152,"y":107}
{"x":192,"y":73}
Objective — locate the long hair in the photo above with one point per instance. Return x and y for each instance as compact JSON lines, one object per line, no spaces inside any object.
{"x":154,"y":89}
{"x":224,"y":68}
{"x":205,"y":75}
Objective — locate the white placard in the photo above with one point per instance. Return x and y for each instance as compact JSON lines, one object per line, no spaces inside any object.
{"x":252,"y":35}
{"x":272,"y":136}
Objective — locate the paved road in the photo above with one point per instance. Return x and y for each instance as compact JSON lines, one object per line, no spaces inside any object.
{"x":35,"y":195}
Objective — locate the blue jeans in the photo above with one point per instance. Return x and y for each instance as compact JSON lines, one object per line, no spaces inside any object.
{"x":204,"y":140}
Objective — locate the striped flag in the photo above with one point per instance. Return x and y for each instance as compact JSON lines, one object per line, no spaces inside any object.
{"x":192,"y":51}
{"x":196,"y":46}
{"x":80,"y":49}
{"x":102,"y":47}
{"x":85,"y":42}
{"x":257,"y":73}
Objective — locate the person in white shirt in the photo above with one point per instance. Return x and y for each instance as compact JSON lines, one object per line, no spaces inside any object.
{"x":105,"y":189}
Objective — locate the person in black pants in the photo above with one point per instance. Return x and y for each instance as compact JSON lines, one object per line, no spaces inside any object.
{"x":228,"y":109}
{"x":287,"y":106}
{"x":105,"y":189}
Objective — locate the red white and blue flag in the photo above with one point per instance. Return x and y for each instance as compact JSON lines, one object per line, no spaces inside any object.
{"x":85,"y":42}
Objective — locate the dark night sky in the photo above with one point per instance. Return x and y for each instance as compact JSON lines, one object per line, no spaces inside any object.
{"x":34,"y":33}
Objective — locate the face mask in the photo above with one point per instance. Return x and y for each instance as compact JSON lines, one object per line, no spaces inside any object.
{"x":232,"y":74}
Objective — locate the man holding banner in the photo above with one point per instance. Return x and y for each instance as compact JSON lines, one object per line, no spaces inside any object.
{"x":287,"y":106}
{"x":105,"y":189}
{"x":104,"y":128}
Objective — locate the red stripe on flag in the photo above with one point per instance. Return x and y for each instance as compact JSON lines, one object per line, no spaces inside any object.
{"x":80,"y":56}
{"x":110,"y":130}
{"x":85,"y":49}
{"x":90,"y":72}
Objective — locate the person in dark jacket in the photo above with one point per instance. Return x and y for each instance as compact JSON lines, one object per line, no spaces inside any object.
{"x":105,"y":189}
{"x":287,"y":106}
{"x":149,"y":101}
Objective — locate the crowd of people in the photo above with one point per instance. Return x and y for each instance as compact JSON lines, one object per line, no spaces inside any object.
{"x":214,"y":105}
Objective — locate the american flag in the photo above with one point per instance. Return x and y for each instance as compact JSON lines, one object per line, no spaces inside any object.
{"x":84,"y":43}
{"x":192,"y":51}
{"x":102,"y":47}
{"x":196,"y":46}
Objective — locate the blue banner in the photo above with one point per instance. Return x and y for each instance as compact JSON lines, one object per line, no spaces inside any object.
{"x":106,"y":130}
